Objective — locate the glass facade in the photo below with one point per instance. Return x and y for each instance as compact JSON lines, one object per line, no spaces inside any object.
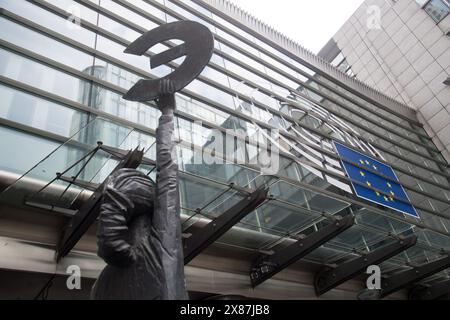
{"x":63,"y":73}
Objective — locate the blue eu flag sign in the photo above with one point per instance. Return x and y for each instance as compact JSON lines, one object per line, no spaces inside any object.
{"x":374,"y":181}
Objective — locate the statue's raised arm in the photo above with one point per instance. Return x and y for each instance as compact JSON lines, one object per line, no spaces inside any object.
{"x":167,"y":211}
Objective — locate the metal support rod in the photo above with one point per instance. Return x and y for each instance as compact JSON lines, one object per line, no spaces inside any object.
{"x":219,"y":226}
{"x":75,"y":177}
{"x":216,"y":197}
{"x":80,"y":183}
{"x":330,"y":278}
{"x":403,"y":279}
{"x":267,"y":266}
{"x":58,"y":174}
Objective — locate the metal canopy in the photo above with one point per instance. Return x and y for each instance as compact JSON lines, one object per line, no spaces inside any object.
{"x":267,"y":266}
{"x":87,"y":214}
{"x":330,"y":278}
{"x":294,"y":205}
{"x":403,"y":279}
{"x":430,"y":291}
{"x":201,"y":239}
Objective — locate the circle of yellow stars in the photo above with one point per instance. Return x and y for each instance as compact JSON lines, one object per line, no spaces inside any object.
{"x":389,"y":185}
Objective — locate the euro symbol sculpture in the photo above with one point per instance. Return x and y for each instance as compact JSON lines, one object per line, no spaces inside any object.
{"x":197,"y":47}
{"x":139,"y":229}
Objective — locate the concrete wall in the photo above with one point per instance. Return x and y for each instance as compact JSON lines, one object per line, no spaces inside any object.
{"x":408,"y":59}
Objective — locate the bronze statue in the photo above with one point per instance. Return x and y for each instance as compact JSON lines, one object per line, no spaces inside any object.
{"x":139,"y":232}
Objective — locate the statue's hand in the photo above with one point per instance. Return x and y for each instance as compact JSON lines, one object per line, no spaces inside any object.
{"x":166,"y":99}
{"x":117,"y":253}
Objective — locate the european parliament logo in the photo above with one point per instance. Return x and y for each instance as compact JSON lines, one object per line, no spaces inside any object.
{"x":374,"y":181}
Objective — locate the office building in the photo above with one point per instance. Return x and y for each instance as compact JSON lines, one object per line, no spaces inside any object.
{"x":287,"y":116}
{"x":401,"y":48}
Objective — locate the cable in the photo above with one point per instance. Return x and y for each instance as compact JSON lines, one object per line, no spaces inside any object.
{"x":45,"y":289}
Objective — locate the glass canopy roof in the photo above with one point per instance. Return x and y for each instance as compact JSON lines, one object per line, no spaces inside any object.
{"x":206,"y":192}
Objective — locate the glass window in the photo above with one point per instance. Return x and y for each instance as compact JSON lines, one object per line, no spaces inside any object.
{"x":437,"y":9}
{"x":32,"y":150}
{"x":199,"y":8}
{"x":189,"y":16}
{"x":51,"y":21}
{"x":111,"y":102}
{"x":201,"y":110}
{"x":278,"y":218}
{"x":44,"y":78}
{"x":77,"y":10}
{"x":123,"y":11}
{"x":344,"y":66}
{"x":39,"y":113}
{"x":215,"y":76}
{"x":211,"y":93}
{"x":40,"y":44}
{"x":421,"y":2}
{"x":117,"y":51}
{"x":239,"y":56}
{"x":118,"y":29}
{"x":338,"y":59}
{"x":21,"y":151}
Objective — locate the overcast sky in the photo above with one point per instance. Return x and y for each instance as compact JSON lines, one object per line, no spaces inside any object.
{"x":309,"y":22}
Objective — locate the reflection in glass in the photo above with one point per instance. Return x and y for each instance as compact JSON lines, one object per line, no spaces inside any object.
{"x":21,"y":151}
{"x":437,"y":9}
{"x":40,"y":44}
{"x":45,"y":78}
{"x":42,"y":114}
{"x":52,"y":21}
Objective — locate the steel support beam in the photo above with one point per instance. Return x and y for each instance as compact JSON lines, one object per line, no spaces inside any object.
{"x":403,"y":279}
{"x":267,"y":266}
{"x":330,"y":278}
{"x":447,"y":81}
{"x":87,"y":214}
{"x":80,"y":183}
{"x":430,"y":291}
{"x":201,"y":239}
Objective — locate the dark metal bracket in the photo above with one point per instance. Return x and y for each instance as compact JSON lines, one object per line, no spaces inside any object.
{"x":267,"y":266}
{"x":447,"y":81}
{"x":430,"y":291}
{"x":330,"y":278}
{"x":79,"y":183}
{"x":202,"y":238}
{"x":87,"y":214}
{"x":403,"y":279}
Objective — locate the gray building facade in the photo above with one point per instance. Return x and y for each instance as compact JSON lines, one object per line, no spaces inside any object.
{"x":62,"y":75}
{"x":401,"y":48}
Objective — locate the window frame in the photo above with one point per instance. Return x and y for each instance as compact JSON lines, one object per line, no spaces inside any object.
{"x":445,"y":2}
